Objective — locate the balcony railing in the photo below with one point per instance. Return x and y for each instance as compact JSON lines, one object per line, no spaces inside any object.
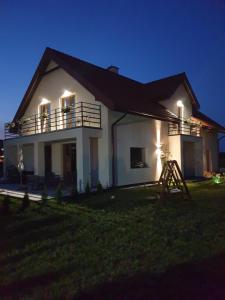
{"x":184,"y":128}
{"x":82,"y":114}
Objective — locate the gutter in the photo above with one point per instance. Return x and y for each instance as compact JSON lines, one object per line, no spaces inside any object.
{"x":114,"y":149}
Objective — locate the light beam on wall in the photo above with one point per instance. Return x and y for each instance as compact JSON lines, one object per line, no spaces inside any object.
{"x":158,"y":149}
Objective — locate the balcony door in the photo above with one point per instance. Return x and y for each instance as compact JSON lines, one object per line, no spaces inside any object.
{"x":68,"y":113}
{"x":45,"y":111}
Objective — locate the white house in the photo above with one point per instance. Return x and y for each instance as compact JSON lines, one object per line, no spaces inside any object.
{"x":89,"y":124}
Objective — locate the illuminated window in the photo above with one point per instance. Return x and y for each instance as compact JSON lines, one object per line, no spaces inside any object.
{"x":68,"y":105}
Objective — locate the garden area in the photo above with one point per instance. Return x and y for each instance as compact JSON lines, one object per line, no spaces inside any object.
{"x":120,"y":244}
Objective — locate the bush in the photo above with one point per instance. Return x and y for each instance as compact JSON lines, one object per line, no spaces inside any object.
{"x":58,"y":194}
{"x":5,"y":209}
{"x":99,"y":187}
{"x":25,"y":202}
{"x":87,"y":189}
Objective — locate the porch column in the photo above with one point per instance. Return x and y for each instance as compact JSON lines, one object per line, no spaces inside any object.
{"x":83,"y":160}
{"x":39,"y":159}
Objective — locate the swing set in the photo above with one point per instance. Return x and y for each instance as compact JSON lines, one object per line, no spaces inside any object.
{"x":172,"y":181}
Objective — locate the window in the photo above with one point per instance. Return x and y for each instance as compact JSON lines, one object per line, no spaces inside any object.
{"x":137,"y":158}
{"x":45,"y":117}
{"x":68,"y":104}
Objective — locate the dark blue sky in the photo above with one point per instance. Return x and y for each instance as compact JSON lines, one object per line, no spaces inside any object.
{"x":146,"y":39}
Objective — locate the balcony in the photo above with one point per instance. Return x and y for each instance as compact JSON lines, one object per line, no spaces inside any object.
{"x":185,"y":128}
{"x":82,"y":114}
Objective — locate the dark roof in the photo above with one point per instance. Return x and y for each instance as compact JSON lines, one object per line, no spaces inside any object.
{"x":208,"y":121}
{"x":117,"y":92}
{"x":163,"y":89}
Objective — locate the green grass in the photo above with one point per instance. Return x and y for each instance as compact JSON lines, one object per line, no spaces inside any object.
{"x":58,"y":251}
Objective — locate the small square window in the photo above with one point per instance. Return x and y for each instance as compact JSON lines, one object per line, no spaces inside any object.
{"x":137,"y":158}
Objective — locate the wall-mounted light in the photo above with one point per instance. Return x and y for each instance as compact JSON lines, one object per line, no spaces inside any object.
{"x":44,"y":101}
{"x":66,"y":93}
{"x":180,"y":103}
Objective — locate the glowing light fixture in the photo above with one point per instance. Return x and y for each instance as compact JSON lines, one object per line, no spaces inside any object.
{"x":180,"y":103}
{"x":217,"y":179}
{"x":44,"y":101}
{"x":66,"y":93}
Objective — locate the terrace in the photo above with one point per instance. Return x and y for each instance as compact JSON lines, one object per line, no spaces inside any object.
{"x":82,"y":114}
{"x":185,"y":128}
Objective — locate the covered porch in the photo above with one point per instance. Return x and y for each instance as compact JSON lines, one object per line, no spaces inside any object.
{"x":70,"y":158}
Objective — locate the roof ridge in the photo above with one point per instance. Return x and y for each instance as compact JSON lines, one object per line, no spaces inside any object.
{"x":166,"y":78}
{"x":94,"y":65}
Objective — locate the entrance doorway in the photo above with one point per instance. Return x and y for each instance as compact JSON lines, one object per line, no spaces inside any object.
{"x":69,"y":163}
{"x":189,"y":159}
{"x":48,"y":160}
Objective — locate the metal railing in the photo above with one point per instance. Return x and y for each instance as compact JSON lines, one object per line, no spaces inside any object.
{"x":82,"y":114}
{"x":184,"y":128}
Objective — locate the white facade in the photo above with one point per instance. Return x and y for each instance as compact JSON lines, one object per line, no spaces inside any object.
{"x":148,"y":136}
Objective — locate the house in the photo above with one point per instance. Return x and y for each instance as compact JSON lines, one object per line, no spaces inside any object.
{"x":85,"y":124}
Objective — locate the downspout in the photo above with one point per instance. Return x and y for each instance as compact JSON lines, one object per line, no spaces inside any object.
{"x":114,"y":149}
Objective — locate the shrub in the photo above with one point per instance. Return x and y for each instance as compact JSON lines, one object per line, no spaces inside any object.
{"x":58,"y":194}
{"x":99,"y":187}
{"x":25,"y":202}
{"x":5,"y":209}
{"x":87,"y":189}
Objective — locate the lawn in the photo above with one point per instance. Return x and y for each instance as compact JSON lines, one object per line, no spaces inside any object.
{"x":61,"y":250}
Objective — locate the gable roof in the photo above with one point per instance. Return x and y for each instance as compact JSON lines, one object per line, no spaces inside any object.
{"x":117,"y":92}
{"x":163,"y":89}
{"x":206,"y":121}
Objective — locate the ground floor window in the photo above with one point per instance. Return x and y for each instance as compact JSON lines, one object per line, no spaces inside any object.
{"x":137,"y":157}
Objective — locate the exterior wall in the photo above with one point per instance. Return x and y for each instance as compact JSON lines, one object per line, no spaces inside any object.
{"x":210,"y":142}
{"x":52,"y":87}
{"x":180,"y":95}
{"x":28,"y":157}
{"x":176,"y":148}
{"x":10,"y":155}
{"x":139,"y":132}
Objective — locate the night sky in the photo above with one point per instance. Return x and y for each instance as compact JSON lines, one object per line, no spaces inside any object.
{"x":148,"y":40}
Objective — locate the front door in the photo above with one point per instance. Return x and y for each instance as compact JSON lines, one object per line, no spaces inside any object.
{"x":189,"y":159}
{"x":48,"y":160}
{"x":69,"y":163}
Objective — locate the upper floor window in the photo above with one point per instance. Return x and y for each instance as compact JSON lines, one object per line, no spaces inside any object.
{"x":68,"y":113}
{"x":44,"y":111}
